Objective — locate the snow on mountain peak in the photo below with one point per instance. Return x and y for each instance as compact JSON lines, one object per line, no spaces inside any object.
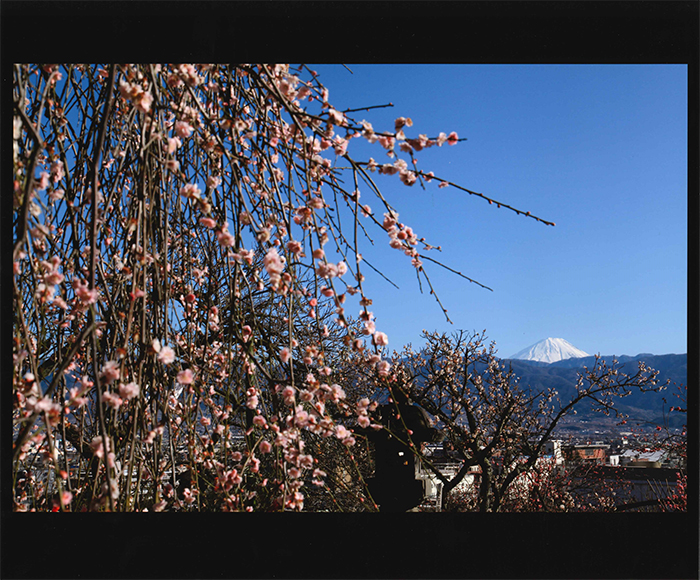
{"x":550,"y":350}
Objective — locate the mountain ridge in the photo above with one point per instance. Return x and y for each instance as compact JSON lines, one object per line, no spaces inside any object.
{"x":562,"y":375}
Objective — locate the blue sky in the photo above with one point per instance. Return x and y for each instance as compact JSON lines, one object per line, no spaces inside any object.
{"x":599,"y":149}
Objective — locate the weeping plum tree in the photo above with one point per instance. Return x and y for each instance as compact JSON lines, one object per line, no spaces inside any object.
{"x":187,"y":243}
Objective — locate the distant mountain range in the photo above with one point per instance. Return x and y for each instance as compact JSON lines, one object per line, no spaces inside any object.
{"x":641,"y":407}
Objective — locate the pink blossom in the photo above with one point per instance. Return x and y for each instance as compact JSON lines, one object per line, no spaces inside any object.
{"x":327,"y":270}
{"x":443,"y":184}
{"x":190,"y":191}
{"x":336,"y":117}
{"x":173,"y":144}
{"x":295,"y":247}
{"x":56,"y":171}
{"x":383,"y":368}
{"x":112,"y":400}
{"x":316,"y":203}
{"x":402,"y":122}
{"x":110,"y":371}
{"x":185,"y":377}
{"x":207,"y":222}
{"x":183,"y":129}
{"x":285,"y":355}
{"x":340,"y":146}
{"x":166,"y":355}
{"x":213,"y":181}
{"x":336,"y":393}
{"x":143,"y":101}
{"x":386,"y":142}
{"x":97,"y":446}
{"x":265,"y":447}
{"x":274,"y":264}
{"x":46,"y":405}
{"x":380,"y":339}
{"x":128,"y":391}
{"x":288,"y":395}
{"x":83,"y":292}
{"x":452,"y":138}
{"x":301,"y":417}
{"x":388,"y":169}
{"x":247,"y":332}
{"x":252,"y":400}
{"x":224,"y":237}
{"x":341,"y":432}
{"x":407,"y":177}
{"x":43,"y":181}
{"x":56,"y":194}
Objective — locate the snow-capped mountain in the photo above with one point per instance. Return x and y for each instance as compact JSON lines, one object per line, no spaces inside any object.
{"x":550,"y":350}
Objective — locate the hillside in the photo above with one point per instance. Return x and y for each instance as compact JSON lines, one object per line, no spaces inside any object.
{"x":642,"y":407}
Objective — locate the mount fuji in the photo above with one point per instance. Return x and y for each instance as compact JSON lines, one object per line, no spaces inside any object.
{"x":550,"y":350}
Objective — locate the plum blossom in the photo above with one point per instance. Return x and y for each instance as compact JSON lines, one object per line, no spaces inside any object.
{"x":383,"y":368}
{"x":52,"y":410}
{"x":224,"y":237}
{"x":252,"y":398}
{"x":274,"y":264}
{"x":83,"y":292}
{"x":327,"y":270}
{"x":185,"y":377}
{"x":51,"y":274}
{"x":285,"y":355}
{"x":56,"y":194}
{"x":173,"y":144}
{"x":129,"y":391}
{"x":56,"y":171}
{"x":336,"y":117}
{"x":190,"y":191}
{"x":380,"y":339}
{"x":402,"y":122}
{"x":99,"y":448}
{"x":288,"y":395}
{"x":183,"y":129}
{"x":112,"y":400}
{"x":294,"y":247}
{"x":166,"y":355}
{"x":110,"y":371}
{"x":408,"y":177}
